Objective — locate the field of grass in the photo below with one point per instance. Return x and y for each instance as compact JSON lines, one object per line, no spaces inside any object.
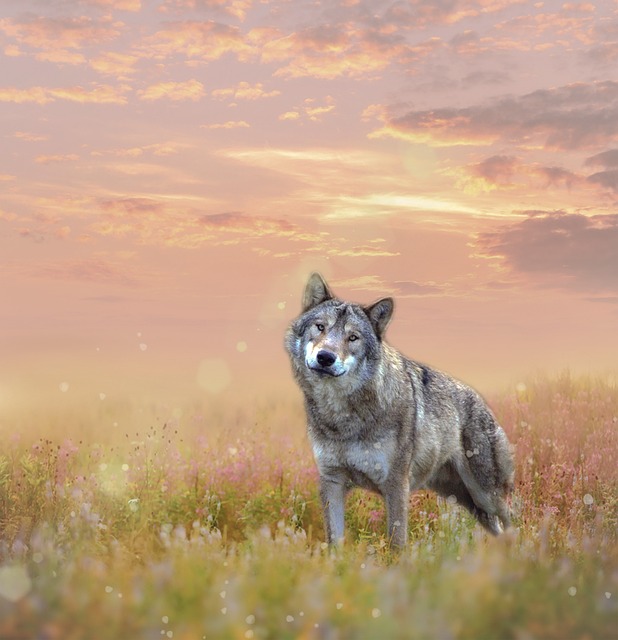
{"x":122,"y":521}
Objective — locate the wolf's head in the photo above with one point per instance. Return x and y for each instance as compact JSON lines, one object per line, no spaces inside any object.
{"x":332,"y":339}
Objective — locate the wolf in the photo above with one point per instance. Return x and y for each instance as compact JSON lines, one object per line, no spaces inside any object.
{"x":383,"y":422}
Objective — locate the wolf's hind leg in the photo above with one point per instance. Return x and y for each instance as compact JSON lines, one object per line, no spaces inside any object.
{"x":489,"y":506}
{"x":449,"y":484}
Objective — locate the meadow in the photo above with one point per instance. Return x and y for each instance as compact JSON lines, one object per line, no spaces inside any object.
{"x":124,"y":519}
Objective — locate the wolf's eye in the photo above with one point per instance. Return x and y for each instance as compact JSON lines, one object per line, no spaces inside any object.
{"x":320,"y":327}
{"x":353,"y":337}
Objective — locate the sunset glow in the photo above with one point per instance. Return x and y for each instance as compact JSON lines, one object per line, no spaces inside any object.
{"x":173,"y":170}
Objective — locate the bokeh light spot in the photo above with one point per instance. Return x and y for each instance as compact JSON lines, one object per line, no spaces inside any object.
{"x":213,"y":375}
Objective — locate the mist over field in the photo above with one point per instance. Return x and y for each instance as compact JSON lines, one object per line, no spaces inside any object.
{"x":131,"y":516}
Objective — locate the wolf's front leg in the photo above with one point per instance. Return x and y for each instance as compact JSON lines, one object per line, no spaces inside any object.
{"x":332,"y":493}
{"x":396,"y":495}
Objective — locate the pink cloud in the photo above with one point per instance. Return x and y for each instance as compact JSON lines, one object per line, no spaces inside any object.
{"x":577,"y":116}
{"x":558,"y":249}
{"x":245,"y":91}
{"x":54,"y":34}
{"x":235,"y":8}
{"x":196,"y":40}
{"x":176,"y":91}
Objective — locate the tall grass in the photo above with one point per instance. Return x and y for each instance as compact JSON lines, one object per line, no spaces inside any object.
{"x":163,"y":530}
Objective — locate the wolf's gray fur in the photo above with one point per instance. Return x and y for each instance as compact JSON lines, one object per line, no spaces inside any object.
{"x":386,"y":423}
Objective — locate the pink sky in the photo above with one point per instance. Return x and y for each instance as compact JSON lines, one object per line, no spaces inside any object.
{"x":172,"y":171}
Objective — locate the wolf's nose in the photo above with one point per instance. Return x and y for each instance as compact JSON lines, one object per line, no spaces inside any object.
{"x":325,"y":358}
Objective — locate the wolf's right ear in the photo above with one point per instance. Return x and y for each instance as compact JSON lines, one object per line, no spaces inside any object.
{"x":316,"y":291}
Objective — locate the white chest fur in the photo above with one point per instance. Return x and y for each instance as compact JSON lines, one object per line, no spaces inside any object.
{"x":372,"y":459}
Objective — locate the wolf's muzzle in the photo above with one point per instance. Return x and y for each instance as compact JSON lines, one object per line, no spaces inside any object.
{"x":324,"y":364}
{"x":326,"y":358}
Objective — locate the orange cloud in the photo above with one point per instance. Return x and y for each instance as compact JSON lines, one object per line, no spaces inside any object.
{"x":310,"y":110}
{"x":61,"y":56}
{"x":115,"y":64}
{"x":244,"y":91}
{"x":54,"y":34}
{"x":197,"y":40}
{"x":177,"y":91}
{"x":230,"y":124}
{"x":510,"y":172}
{"x":38,"y":95}
{"x":331,"y":51}
{"x":161,"y":149}
{"x":98,"y":94}
{"x":29,"y":137}
{"x":71,"y":157}
{"x":118,"y":5}
{"x":363,"y":252}
{"x":154,"y":221}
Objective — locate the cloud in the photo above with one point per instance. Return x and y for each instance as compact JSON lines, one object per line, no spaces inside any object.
{"x":61,"y":57}
{"x":310,"y":110}
{"x":363,"y":251}
{"x":244,"y":91}
{"x":413,"y":289}
{"x":240,"y":223}
{"x":38,"y":95}
{"x":330,"y":51}
{"x":496,"y":169}
{"x":176,"y":91}
{"x":29,"y":137}
{"x":154,"y":221}
{"x":97,"y":94}
{"x":576,"y":116}
{"x":59,"y":34}
{"x":112,"y":63}
{"x":230,"y":124}
{"x":197,"y":40}
{"x":117,"y":5}
{"x":511,"y":172}
{"x":399,"y":288}
{"x":380,"y":204}
{"x":57,"y":158}
{"x":605,"y":159}
{"x":605,"y":53}
{"x":422,"y":14}
{"x":609,"y":177}
{"x":90,"y":270}
{"x":160,"y":149}
{"x":364,"y":283}
{"x":558,"y":249}
{"x":236,"y":8}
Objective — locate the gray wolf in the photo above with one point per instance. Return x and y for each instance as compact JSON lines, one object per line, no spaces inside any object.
{"x":383,"y":422}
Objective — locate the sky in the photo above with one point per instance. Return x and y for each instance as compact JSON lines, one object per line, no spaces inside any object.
{"x":173,"y":170}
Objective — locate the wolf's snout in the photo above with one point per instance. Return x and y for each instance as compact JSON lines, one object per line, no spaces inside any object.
{"x":326,"y":358}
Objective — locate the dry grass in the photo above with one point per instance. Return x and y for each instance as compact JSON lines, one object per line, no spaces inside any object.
{"x":157,"y":528}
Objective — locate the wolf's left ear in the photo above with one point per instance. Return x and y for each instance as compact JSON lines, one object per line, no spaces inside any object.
{"x":316,"y":292}
{"x":380,"y":313}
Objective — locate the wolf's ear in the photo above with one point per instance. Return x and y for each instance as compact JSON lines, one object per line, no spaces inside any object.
{"x":380,"y":313}
{"x":316,"y":291}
